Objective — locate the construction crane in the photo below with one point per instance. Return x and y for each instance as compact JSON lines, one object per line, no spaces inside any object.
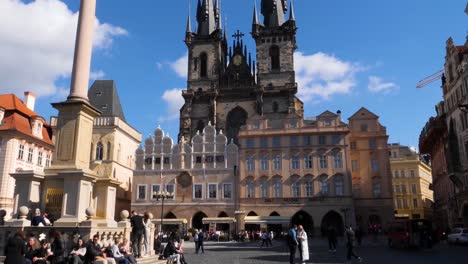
{"x":430,"y":79}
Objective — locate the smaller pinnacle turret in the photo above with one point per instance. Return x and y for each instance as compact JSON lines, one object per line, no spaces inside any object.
{"x":292,"y":16}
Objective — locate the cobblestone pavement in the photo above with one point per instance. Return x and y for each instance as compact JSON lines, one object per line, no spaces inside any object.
{"x":372,"y":253}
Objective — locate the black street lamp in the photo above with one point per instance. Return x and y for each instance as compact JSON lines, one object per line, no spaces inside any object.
{"x":162,"y":196}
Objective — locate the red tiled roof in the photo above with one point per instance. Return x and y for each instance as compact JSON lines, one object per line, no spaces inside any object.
{"x":18,"y":116}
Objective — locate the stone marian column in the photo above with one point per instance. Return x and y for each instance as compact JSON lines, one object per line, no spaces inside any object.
{"x":83,"y":51}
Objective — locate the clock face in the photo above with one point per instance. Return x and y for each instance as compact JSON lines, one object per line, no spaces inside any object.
{"x":237,"y":60}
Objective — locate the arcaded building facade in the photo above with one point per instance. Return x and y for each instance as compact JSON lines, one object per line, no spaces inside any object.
{"x":295,"y":171}
{"x":200,"y":174}
{"x":370,"y":170}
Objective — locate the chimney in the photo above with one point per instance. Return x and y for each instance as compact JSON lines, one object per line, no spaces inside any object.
{"x":29,"y":100}
{"x":339,"y":114}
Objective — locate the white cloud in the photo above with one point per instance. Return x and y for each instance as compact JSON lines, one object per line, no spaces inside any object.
{"x":321,"y":75}
{"x":37,"y":44}
{"x":180,"y":66}
{"x":97,"y":75}
{"x":174,"y":101}
{"x":376,"y":85}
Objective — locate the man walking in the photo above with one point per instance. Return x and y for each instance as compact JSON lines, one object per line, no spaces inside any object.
{"x":201,"y":238}
{"x":292,"y":243}
{"x":138,"y":229}
{"x":350,"y":236}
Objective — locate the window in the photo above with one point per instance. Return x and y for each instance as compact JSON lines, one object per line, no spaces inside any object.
{"x":250,"y":164}
{"x":47,"y":161}
{"x":394,"y":154}
{"x":323,"y":161}
{"x":141,"y":193}
{"x":336,"y":139}
{"x":294,"y":141}
{"x":275,"y":57}
{"x":277,"y":188}
{"x":397,"y":188}
{"x":309,"y":188}
{"x":293,"y":123}
{"x":220,"y":158}
{"x":307,"y":140}
{"x":275,"y":107}
{"x":30,"y":154}
{"x":413,"y":188}
{"x":108,"y":150}
{"x":227,"y":191}
{"x":155,"y":188}
{"x":99,"y":151}
{"x":405,"y":204}
{"x":356,"y":190}
{"x":353,"y":145}
{"x":412,"y":173}
{"x":327,"y":123}
{"x":402,"y":173}
{"x":197,"y":191}
{"x":167,"y":160}
{"x":308,"y":162}
{"x":339,"y":185}
{"x":203,"y":65}
{"x":377,"y":189}
{"x":337,"y":160}
{"x":264,"y":163}
{"x":354,"y":165}
{"x":277,"y":162}
{"x":148,"y":161}
{"x":296,"y":189}
{"x":276,"y":142}
{"x":250,"y":189}
{"x":372,"y":144}
{"x":323,"y":185}
{"x":322,"y":140}
{"x":39,"y":158}
{"x":171,"y":189}
{"x":403,"y":188}
{"x":198,"y":159}
{"x":250,"y":143}
{"x":415,"y":203}
{"x":158,"y":160}
{"x":363,"y":127}
{"x":295,"y":162}
{"x":264,"y":188}
{"x":374,"y":165}
{"x":264,"y":142}
{"x":397,"y":175}
{"x":399,"y":203}
{"x":21,"y":152}
{"x":212,"y":190}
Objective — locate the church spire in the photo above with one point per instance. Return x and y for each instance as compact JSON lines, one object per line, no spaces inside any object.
{"x":292,"y":16}
{"x":206,"y":18}
{"x":255,"y":17}
{"x":273,"y":12}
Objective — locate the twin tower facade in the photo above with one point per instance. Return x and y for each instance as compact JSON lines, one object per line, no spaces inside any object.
{"x":225,"y":85}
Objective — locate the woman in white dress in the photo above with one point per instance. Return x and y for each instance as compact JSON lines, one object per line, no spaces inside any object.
{"x":147,"y":223}
{"x":302,"y":238}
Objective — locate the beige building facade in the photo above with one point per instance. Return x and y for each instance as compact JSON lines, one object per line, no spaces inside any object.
{"x":370,"y":170}
{"x":295,"y":171}
{"x":412,"y":180}
{"x":200,"y":174}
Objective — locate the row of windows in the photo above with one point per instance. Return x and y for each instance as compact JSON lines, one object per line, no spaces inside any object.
{"x":199,"y":191}
{"x":30,"y":154}
{"x":376,"y":190}
{"x":403,"y":174}
{"x":306,"y":189}
{"x":296,"y":162}
{"x":372,"y":144}
{"x":403,"y":203}
{"x":374,"y":165}
{"x":294,"y":141}
{"x":402,"y":188}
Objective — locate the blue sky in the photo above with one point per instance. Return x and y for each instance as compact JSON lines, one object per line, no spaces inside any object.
{"x":356,"y":53}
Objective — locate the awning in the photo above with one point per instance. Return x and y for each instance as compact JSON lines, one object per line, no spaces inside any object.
{"x":267,"y":220}
{"x":169,"y":221}
{"x":218,"y":220}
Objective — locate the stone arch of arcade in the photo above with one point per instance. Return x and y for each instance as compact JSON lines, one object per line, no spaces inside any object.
{"x":222,"y":227}
{"x":236,"y":118}
{"x":252,"y":227}
{"x":332,"y":219}
{"x":305,"y":219}
{"x":197,"y":221}
{"x":276,"y":228}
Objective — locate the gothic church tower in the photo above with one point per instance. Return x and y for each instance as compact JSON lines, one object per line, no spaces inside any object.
{"x":225,"y":86}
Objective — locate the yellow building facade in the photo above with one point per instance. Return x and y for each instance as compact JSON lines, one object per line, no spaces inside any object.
{"x":411,"y":181}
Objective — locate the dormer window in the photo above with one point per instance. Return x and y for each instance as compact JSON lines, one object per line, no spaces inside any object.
{"x":36,"y":127}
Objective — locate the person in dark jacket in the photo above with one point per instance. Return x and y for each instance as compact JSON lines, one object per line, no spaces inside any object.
{"x":201,"y":238}
{"x":38,"y":219}
{"x":31,"y":248}
{"x":15,"y":249}
{"x":350,"y":244}
{"x":138,"y":230}
{"x":292,"y":243}
{"x":331,"y":234}
{"x":57,"y":248}
{"x":41,"y":254}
